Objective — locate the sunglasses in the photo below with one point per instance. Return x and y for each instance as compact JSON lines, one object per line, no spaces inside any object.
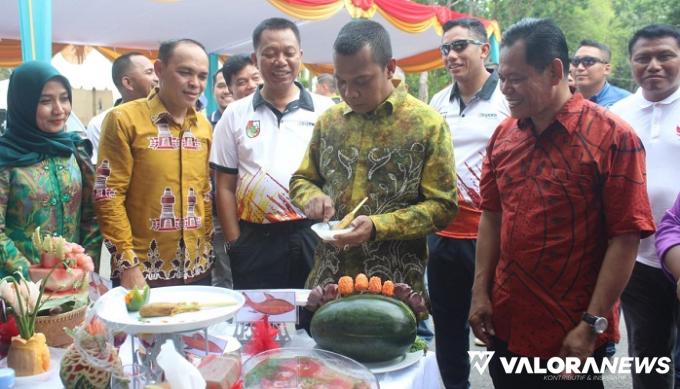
{"x":458,"y":45}
{"x":587,"y":61}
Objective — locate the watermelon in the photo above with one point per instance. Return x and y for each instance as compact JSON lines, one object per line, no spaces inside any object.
{"x":365,"y":327}
{"x":60,"y":280}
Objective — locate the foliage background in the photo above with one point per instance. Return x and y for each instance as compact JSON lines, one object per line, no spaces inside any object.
{"x":611,"y":22}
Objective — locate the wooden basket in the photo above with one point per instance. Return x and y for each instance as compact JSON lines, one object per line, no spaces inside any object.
{"x":53,"y":326}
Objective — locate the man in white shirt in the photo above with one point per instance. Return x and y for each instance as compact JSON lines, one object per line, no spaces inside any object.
{"x":258,"y":144}
{"x":134,"y":78}
{"x":649,"y":302}
{"x":472,"y":106}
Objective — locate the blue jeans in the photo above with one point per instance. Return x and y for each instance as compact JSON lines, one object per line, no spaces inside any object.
{"x":450,"y":272}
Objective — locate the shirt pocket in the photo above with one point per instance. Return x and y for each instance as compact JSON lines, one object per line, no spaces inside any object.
{"x":562,"y":187}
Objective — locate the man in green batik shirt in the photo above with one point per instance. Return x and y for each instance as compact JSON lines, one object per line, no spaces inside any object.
{"x":383,"y":144}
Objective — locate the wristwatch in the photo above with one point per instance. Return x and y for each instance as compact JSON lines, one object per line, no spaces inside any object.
{"x":598,"y":323}
{"x":228,"y":245}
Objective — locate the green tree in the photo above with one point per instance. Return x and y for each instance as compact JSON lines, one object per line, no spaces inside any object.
{"x":611,"y":22}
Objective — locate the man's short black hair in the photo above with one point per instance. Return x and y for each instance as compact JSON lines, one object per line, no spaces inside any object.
{"x":543,"y":39}
{"x":235,"y":64}
{"x":654,"y":31}
{"x":167,"y":47}
{"x":121,"y":66}
{"x":475,"y":26}
{"x":359,"y":33}
{"x":274,"y":24}
{"x":600,"y":46}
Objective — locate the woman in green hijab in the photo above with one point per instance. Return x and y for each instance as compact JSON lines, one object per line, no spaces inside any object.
{"x":45,"y":175}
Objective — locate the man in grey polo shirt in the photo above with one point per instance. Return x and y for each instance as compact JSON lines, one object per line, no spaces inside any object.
{"x":472,"y":106}
{"x":257,"y":145}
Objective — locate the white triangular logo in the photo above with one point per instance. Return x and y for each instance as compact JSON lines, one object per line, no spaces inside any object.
{"x":480,"y":360}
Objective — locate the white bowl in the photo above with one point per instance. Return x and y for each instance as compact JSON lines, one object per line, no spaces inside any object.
{"x":325,"y":231}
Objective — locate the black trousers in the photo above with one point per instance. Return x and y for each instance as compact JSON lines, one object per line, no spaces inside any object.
{"x":271,"y":256}
{"x":501,"y":380}
{"x":650,"y":310}
{"x":450,"y":273}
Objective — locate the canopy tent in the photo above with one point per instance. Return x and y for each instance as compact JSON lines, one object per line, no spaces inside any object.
{"x":225,"y":26}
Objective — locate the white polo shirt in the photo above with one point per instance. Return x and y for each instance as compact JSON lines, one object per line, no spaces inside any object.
{"x":265,"y":147}
{"x":471,"y":126}
{"x":658,"y":126}
{"x":94,"y":128}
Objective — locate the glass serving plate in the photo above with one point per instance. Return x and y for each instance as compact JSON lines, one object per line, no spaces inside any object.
{"x":298,"y":368}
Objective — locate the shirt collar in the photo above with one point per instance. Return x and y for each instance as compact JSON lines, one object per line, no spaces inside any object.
{"x":599,"y":95}
{"x":305,"y":98}
{"x":564,"y":117}
{"x":159,"y":113}
{"x":387,"y":106}
{"x":484,"y":93}
{"x":644,"y":103}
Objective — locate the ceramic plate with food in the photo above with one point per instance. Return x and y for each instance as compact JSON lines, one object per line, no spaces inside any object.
{"x":209,"y":305}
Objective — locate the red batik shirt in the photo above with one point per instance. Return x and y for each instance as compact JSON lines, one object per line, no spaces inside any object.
{"x":562,"y":195}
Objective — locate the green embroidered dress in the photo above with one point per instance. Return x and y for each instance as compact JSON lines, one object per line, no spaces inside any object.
{"x":45,"y":177}
{"x":48,"y":195}
{"x":401,"y":158}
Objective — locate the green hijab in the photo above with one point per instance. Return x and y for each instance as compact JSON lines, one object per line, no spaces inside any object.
{"x":23,"y":143}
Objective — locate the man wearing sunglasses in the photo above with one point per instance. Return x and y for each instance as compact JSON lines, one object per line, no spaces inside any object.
{"x":591,"y":67}
{"x":472,"y":106}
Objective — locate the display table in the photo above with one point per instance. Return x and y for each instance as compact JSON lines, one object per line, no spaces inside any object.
{"x":423,"y":375}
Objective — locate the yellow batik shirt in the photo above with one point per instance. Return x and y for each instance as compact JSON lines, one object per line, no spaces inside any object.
{"x":152,"y":192}
{"x":401,"y":158}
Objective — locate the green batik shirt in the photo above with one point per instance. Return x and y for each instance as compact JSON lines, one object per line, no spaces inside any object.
{"x":401,"y":158}
{"x":55,"y":195}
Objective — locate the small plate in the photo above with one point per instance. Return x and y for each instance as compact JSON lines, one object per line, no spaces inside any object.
{"x":325,"y":231}
{"x":399,"y":363}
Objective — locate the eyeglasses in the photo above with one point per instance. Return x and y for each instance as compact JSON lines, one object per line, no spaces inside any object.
{"x":587,"y":61}
{"x":458,"y":45}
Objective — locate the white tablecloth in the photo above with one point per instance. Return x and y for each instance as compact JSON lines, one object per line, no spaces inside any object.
{"x":422,"y":375}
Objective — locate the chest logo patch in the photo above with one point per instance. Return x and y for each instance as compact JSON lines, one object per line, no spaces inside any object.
{"x":253,"y":128}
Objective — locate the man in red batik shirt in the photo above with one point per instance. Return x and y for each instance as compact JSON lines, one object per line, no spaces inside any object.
{"x":564,"y":205}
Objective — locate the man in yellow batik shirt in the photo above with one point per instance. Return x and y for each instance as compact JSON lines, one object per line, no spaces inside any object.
{"x":152,"y":190}
{"x":383,"y":144}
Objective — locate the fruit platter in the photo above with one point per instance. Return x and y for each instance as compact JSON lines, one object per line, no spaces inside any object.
{"x":168,"y":309}
{"x":294,"y":368}
{"x":365,"y":319}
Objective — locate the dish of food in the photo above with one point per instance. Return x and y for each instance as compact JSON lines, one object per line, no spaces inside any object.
{"x":326,"y":231}
{"x":214,"y":305}
{"x":305,"y":368}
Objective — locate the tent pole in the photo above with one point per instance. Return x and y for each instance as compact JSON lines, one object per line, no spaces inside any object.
{"x":495,"y":51}
{"x":35,"y":25}
{"x":213,"y":66}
